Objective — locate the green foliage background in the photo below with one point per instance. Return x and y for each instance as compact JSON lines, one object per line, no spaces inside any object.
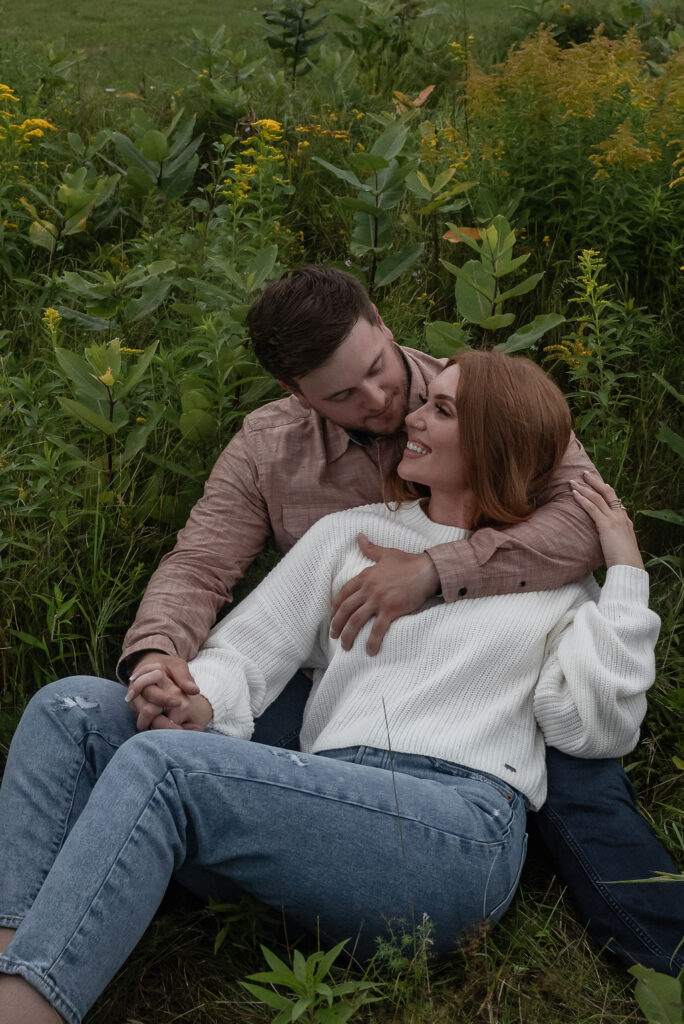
{"x":157,"y":170}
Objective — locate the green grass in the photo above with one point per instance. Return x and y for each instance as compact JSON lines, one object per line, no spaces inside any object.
{"x":538,"y":965}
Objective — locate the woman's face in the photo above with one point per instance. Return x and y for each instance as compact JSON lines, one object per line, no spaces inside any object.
{"x":433,"y":453}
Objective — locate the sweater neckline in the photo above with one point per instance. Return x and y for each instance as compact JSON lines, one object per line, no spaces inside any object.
{"x":413,"y":514}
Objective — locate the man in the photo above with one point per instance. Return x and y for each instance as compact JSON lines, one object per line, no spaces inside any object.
{"x":327,"y":447}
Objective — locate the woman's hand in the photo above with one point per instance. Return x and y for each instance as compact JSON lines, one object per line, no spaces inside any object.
{"x":613,"y":525}
{"x":160,"y":703}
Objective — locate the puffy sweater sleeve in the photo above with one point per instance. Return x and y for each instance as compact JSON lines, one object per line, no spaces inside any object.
{"x":599,"y":662}
{"x":251,"y":654}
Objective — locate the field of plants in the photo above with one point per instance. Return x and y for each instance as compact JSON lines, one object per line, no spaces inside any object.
{"x":496,"y":175}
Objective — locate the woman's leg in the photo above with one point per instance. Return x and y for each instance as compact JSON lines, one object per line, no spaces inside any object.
{"x":65,"y":738}
{"x":318,"y":837}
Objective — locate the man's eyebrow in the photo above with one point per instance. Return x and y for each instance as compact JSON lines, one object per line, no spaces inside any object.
{"x":329,"y":398}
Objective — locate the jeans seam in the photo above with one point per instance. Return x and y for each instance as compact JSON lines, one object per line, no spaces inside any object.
{"x":599,"y":886}
{"x":390,"y":812}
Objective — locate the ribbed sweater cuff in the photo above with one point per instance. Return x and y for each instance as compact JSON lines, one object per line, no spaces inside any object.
{"x":625,"y":583}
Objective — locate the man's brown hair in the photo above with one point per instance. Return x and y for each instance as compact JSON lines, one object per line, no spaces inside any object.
{"x":300,"y":319}
{"x":514,"y":426}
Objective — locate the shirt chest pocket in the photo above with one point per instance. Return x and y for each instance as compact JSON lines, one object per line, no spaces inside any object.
{"x":297,"y":519}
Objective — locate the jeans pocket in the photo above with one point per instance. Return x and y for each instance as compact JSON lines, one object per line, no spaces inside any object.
{"x":499,"y":910}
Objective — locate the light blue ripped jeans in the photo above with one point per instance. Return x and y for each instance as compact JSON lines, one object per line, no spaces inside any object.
{"x":95,"y":819}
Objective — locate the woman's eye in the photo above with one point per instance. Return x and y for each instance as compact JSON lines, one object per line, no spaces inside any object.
{"x":442,"y":410}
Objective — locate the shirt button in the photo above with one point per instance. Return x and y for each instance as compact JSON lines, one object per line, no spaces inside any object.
{"x":523,"y":583}
{"x":463,"y":591}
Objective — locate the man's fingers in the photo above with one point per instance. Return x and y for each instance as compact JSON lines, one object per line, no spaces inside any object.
{"x":377,"y":635}
{"x":350,"y":588}
{"x":182,"y":678}
{"x":368,"y":548}
{"x":355,"y":623}
{"x":162,"y":722}
{"x":346,"y":609}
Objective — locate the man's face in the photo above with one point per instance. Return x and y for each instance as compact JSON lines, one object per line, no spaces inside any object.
{"x":363,"y":386}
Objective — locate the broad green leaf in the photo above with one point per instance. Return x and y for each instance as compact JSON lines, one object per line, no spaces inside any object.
{"x":299,"y":965}
{"x":77,"y":370}
{"x":137,"y":437}
{"x":461,"y":236}
{"x":658,"y":995}
{"x":261,"y":267}
{"x":443,"y":339}
{"x":667,"y":515}
{"x":359,"y":205}
{"x":668,"y":387}
{"x":301,"y":1006}
{"x":671,"y":439}
{"x":194,"y":399}
{"x":342,"y":174}
{"x":394,"y":266}
{"x":91,"y":323}
{"x":183,"y":158}
{"x":415,"y":183}
{"x":133,"y":157}
{"x":157,"y":267}
{"x":391,"y":142}
{"x":138,"y":370}
{"x":329,"y":958}
{"x":154,"y":146}
{"x":497,"y":321}
{"x":527,"y":335}
{"x":44,"y":234}
{"x":268,"y":996}
{"x":474,"y":291}
{"x":86,"y":415}
{"x":197,"y":425}
{"x":443,"y":179}
{"x":153,"y":294}
{"x":368,"y":162}
{"x":508,"y":266}
{"x":520,"y":289}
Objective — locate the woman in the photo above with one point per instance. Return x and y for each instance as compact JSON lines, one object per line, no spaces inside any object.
{"x":409,"y":800}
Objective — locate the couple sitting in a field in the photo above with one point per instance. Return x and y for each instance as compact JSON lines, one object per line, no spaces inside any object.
{"x":466,"y":671}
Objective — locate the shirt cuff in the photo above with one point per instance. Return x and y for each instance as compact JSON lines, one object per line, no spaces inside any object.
{"x":131,"y":655}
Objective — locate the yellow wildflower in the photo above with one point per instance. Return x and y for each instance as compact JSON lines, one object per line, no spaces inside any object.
{"x":131,"y":351}
{"x":107,"y":377}
{"x":141,"y":419}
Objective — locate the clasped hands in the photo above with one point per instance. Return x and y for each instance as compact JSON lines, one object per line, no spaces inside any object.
{"x":163,"y":694}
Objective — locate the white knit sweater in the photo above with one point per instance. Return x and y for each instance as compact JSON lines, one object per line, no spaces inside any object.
{"x":485,"y":683}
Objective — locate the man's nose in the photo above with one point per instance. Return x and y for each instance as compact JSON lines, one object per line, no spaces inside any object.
{"x":375,"y":396}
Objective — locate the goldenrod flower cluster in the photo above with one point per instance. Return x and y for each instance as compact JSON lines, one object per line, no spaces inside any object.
{"x":50,"y":321}
{"x":443,"y":146}
{"x":318,"y":130}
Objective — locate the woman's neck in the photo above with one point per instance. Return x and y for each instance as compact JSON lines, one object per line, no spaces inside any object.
{"x":450,"y":509}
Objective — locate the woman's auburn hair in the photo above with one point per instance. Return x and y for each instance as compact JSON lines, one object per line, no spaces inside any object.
{"x":514,"y":427}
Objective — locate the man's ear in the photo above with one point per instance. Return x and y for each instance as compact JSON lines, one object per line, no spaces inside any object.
{"x":381,"y":323}
{"x":304,"y":402}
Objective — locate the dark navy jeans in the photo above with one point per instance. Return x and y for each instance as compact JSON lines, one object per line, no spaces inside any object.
{"x":593,"y":836}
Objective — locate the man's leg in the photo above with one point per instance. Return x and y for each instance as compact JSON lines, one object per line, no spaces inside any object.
{"x":318,"y":837}
{"x":595,"y":835}
{"x":66,"y":737}
{"x":281,"y":722}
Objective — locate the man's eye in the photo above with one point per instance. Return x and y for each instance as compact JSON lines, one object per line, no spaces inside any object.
{"x":422,"y":399}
